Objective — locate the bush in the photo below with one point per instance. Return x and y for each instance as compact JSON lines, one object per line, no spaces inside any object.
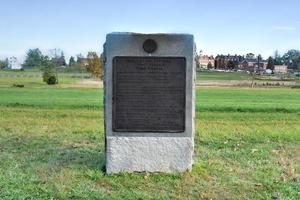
{"x":51,"y":80}
{"x":49,"y":76}
{"x":18,"y":85}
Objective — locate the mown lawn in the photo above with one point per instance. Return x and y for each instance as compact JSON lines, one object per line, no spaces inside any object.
{"x":247,"y":146}
{"x":32,"y":78}
{"x":222,"y":76}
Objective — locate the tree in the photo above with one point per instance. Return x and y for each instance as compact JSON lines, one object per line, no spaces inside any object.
{"x":296,"y":63}
{"x":57,"y":57}
{"x":259,"y":61}
{"x":209,"y":66}
{"x":292,"y":59}
{"x":94,"y":64}
{"x":259,"y":58}
{"x":49,"y":75}
{"x":72,"y":61}
{"x":230,"y":64}
{"x":277,"y":58}
{"x":33,"y":58}
{"x":270,"y":64}
{"x":250,"y":56}
{"x":3,"y":63}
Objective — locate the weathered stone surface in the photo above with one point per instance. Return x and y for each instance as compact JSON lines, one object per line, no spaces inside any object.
{"x":157,"y":150}
{"x":150,"y":154}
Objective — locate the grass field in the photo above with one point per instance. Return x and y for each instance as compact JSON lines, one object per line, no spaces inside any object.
{"x":247,"y":146}
{"x":231,"y":76}
{"x":222,"y":76}
{"x":33,"y":78}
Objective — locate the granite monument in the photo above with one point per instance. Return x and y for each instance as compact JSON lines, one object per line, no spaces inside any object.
{"x":149,"y":102}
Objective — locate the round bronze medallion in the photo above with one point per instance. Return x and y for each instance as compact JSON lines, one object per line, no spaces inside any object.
{"x":149,"y":46}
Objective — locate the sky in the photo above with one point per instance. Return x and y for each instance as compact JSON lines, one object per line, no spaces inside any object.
{"x":219,"y":26}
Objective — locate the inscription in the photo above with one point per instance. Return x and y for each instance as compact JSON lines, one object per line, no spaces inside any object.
{"x":149,"y":94}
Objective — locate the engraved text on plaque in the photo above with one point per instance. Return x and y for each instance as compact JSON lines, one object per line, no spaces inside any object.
{"x":149,"y":94}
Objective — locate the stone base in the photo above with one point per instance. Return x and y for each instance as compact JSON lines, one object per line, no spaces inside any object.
{"x":148,"y":154}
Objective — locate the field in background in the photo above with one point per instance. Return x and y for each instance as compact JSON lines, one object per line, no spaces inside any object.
{"x":222,"y":76}
{"x":247,"y":146}
{"x":33,"y":78}
{"x":243,"y":79}
{"x":204,"y":78}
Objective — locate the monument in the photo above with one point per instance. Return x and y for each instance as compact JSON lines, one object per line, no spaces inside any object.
{"x":149,"y":102}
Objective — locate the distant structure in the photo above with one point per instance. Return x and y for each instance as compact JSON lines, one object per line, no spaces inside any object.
{"x":226,"y":62}
{"x":251,"y":64}
{"x":82,"y":61}
{"x":205,"y":60}
{"x":221,"y":61}
{"x":14,"y":64}
{"x":281,"y":69}
{"x":248,"y":63}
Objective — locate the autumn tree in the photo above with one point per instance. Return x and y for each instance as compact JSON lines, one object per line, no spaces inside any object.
{"x":94,"y":64}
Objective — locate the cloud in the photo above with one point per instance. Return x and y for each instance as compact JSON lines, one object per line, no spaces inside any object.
{"x":284,"y":28}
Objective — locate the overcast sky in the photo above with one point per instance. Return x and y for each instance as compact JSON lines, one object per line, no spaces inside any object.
{"x":219,"y":27}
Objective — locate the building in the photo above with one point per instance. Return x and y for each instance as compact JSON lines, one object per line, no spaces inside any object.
{"x":251,"y":64}
{"x":14,"y":64}
{"x":221,"y":61}
{"x":247,"y":64}
{"x":264,"y":64}
{"x":205,"y":60}
{"x":281,"y":69}
{"x":82,"y":61}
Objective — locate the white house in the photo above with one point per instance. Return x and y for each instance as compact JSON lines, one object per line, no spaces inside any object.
{"x":13,"y":63}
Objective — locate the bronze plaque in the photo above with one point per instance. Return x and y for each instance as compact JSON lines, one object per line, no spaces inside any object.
{"x":149,"y":94}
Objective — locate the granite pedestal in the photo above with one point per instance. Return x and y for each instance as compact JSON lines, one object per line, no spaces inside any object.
{"x":149,"y":102}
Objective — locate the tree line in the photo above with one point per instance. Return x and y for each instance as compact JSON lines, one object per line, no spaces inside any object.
{"x":3,"y":63}
{"x":291,"y":58}
{"x":55,"y":60}
{"x":91,"y":63}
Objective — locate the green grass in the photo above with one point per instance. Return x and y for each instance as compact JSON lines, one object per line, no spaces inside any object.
{"x":20,"y":72}
{"x":33,"y":82}
{"x":248,"y":100}
{"x":32,"y":78}
{"x":223,"y":76}
{"x":247,"y":146}
{"x":51,"y":97}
